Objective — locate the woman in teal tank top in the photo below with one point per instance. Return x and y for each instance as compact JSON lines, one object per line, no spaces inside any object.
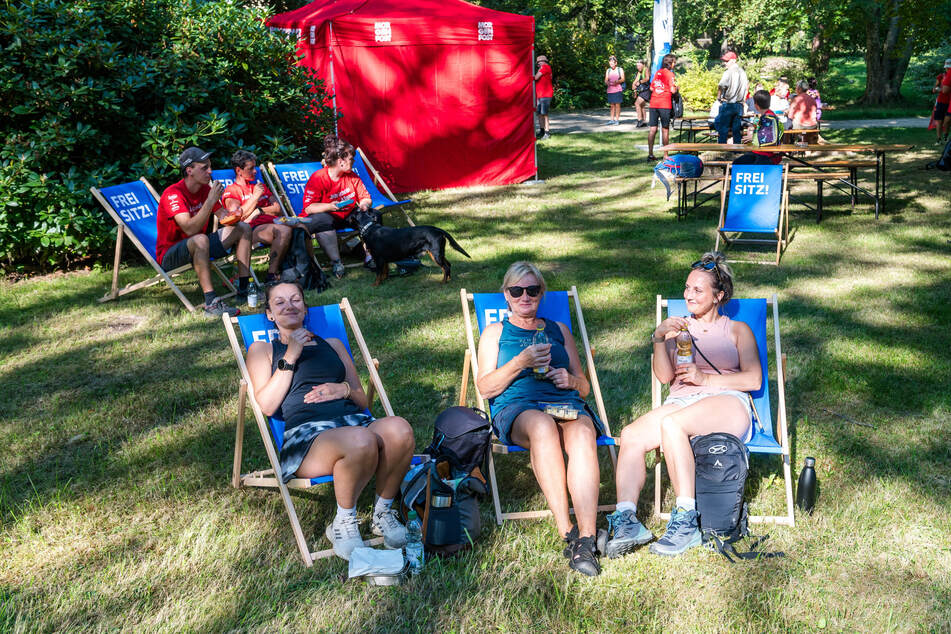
{"x":516,"y":393}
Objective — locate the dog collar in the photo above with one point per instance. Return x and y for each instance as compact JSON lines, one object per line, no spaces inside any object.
{"x":363,"y":228}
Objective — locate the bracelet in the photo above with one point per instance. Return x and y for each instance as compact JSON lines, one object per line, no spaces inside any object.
{"x":349,"y":390}
{"x":655,"y":340}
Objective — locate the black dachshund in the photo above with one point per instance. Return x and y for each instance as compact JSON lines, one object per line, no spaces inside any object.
{"x":392,"y":245}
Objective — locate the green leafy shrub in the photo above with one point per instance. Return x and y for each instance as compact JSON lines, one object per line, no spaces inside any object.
{"x":698,"y":87}
{"x":98,"y":92}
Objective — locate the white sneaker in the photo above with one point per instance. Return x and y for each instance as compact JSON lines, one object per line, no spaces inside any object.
{"x":387,"y":525}
{"x":344,"y":534}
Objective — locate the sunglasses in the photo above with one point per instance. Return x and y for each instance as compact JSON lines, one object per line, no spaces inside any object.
{"x":708,"y":266}
{"x":516,"y":291}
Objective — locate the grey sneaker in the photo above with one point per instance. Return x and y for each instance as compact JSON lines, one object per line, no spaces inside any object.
{"x":344,"y":534}
{"x":217,"y":308}
{"x":683,"y":532}
{"x":626,"y":533}
{"x":387,"y":525}
{"x":338,"y":269}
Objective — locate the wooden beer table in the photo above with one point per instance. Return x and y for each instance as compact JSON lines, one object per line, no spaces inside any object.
{"x":797,"y":153}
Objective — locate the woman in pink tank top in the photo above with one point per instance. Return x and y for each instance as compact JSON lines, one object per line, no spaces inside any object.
{"x":614,"y":80}
{"x":702,"y":401}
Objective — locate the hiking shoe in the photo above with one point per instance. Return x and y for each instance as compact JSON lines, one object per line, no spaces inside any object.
{"x":626,"y":533}
{"x":583,"y":558}
{"x":344,"y":534}
{"x":338,"y":269}
{"x":387,"y":526}
{"x":217,"y":308}
{"x":683,"y":532}
{"x":546,"y":136}
{"x":569,"y":539}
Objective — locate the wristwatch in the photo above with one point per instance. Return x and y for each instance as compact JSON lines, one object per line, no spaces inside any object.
{"x":284,"y":365}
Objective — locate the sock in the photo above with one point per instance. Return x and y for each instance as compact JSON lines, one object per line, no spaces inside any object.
{"x":342,"y":512}
{"x":243,"y":284}
{"x":382,"y":504}
{"x":627,"y":506}
{"x":210,"y":297}
{"x":688,"y":504}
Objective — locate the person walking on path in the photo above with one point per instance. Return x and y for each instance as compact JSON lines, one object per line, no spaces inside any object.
{"x":614,"y":80}
{"x":642,"y":94}
{"x":544,"y":91}
{"x":941,"y":118}
{"x":663,"y":86}
{"x":731,"y":92}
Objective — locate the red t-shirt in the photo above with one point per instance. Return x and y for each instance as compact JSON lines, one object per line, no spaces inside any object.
{"x":242,"y":193}
{"x":945,"y":97}
{"x":543,"y":87}
{"x":802,"y":111}
{"x":320,"y":188}
{"x":176,"y":199}
{"x":661,"y":87}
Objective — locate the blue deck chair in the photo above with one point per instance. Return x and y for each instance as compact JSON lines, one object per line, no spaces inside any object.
{"x":134,"y":208}
{"x":370,"y":177}
{"x":753,"y":312}
{"x":226,"y":176}
{"x":327,"y":321}
{"x":744,"y":209}
{"x":290,"y":180}
{"x":555,"y":305}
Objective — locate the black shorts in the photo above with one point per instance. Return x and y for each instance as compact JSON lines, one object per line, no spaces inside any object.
{"x":324,"y":221}
{"x":940,"y":111}
{"x":178,"y":255}
{"x":615,"y":97}
{"x":663,"y":114}
{"x":544,"y":105}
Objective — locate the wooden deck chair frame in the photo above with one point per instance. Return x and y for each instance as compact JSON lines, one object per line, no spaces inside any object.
{"x":267,"y":478}
{"x":782,"y":428}
{"x":161,"y":275}
{"x":781,"y":233}
{"x":471,"y":367}
{"x":381,"y":185}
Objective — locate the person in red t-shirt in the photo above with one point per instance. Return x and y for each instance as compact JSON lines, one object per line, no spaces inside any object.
{"x":942,"y":120}
{"x":324,"y":194}
{"x":252,"y":202}
{"x":544,"y":91}
{"x":802,"y":111}
{"x":663,"y":86}
{"x":182,"y":224}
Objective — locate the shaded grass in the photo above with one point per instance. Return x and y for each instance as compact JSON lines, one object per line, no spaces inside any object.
{"x":118,"y":419}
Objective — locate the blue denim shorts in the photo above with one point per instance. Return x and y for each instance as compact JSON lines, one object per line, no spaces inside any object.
{"x":684,"y":401}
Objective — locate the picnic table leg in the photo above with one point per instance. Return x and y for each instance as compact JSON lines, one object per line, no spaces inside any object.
{"x":882,"y":205}
{"x":818,"y":200}
{"x":854,"y":177}
{"x":878,"y":187}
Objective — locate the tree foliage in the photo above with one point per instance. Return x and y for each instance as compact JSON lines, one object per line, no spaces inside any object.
{"x":98,"y":92}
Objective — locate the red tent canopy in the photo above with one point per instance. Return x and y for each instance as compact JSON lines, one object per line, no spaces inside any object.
{"x":437,"y":92}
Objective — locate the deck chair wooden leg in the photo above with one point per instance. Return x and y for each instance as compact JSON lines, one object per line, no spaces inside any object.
{"x":239,"y":436}
{"x":495,"y":490}
{"x":114,"y":291}
{"x":371,"y":391}
{"x":224,"y":278}
{"x":657,"y":483}
{"x":466,"y":363}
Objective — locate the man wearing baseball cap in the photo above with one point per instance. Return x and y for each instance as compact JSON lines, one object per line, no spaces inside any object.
{"x":941,"y":118}
{"x":183,"y":223}
{"x":731,"y":93}
{"x":544,"y":91}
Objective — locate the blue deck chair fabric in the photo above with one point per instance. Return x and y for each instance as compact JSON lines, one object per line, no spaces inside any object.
{"x":378,"y":198}
{"x":138,"y":209}
{"x":293,"y":180}
{"x":226,"y":176}
{"x":754,"y":212}
{"x":752,"y":312}
{"x":555,"y":305}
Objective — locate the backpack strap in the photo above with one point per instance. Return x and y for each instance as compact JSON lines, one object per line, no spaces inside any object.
{"x":726,"y":548}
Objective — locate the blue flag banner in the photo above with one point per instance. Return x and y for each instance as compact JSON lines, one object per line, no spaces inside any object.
{"x":755,"y":198}
{"x":663,"y":31}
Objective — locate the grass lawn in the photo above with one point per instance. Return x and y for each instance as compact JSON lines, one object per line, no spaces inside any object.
{"x":118,"y":424}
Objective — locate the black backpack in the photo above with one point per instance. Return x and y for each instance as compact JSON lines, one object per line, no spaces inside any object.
{"x":445,"y":491}
{"x":298,"y":266}
{"x":722,"y":465}
{"x":944,"y":163}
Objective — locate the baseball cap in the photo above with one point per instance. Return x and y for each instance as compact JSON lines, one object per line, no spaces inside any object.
{"x":192,"y":155}
{"x":728,"y":56}
{"x":541,"y":58}
{"x":947,"y":63}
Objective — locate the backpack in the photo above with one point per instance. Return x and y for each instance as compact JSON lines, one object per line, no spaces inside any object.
{"x":769,"y":130}
{"x":676,"y":106}
{"x":943,"y":163}
{"x":686,"y":165}
{"x":298,"y":266}
{"x":722,"y":465}
{"x":445,"y":490}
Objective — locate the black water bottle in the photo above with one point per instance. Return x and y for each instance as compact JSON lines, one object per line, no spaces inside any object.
{"x":806,"y":491}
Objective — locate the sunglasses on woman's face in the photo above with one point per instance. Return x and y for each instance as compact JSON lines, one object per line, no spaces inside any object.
{"x":516,"y":291}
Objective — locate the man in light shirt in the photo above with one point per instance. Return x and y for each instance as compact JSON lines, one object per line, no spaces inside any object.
{"x":731,"y":93}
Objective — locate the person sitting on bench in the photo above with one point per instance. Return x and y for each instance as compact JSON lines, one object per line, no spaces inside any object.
{"x":768,"y":130}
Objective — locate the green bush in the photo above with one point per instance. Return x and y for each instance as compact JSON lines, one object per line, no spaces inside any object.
{"x":698,"y":87}
{"x":98,"y":92}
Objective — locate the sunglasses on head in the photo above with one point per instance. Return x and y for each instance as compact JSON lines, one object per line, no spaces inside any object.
{"x":707,"y":266}
{"x":516,"y":291}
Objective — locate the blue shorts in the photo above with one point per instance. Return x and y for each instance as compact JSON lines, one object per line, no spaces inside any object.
{"x":503,"y":419}
{"x":544,"y":105}
{"x":684,"y":401}
{"x":615,"y":97}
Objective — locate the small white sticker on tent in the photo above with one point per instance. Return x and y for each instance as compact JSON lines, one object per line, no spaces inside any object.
{"x":383,"y":31}
{"x":485,"y":31}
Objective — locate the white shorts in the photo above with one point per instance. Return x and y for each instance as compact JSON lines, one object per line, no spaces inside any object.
{"x":684,"y":401}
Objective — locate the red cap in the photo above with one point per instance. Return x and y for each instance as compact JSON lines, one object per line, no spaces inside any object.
{"x":729,"y":55}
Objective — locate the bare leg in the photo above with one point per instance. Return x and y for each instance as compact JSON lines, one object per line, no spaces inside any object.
{"x":396,"y":444}
{"x":279,"y":237}
{"x":665,"y":135}
{"x":651,"y":135}
{"x":240,"y":234}
{"x":351,"y":454}
{"x":579,"y":438}
{"x":198,"y":248}
{"x":328,"y":242}
{"x":637,"y":439}
{"x":714,"y":414}
{"x":538,"y":432}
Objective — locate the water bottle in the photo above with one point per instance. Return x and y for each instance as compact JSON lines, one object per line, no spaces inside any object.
{"x":540,"y":338}
{"x":415,"y":554}
{"x":252,"y":294}
{"x":808,"y":484}
{"x":684,"y":346}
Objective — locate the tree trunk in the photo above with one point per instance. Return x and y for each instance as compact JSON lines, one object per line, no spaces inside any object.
{"x":819,"y":52}
{"x":886,"y":59}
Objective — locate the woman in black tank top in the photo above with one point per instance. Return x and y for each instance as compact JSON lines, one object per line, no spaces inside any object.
{"x":313,"y":385}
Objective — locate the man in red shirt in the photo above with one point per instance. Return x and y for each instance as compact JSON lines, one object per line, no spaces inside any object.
{"x":544,"y":91}
{"x":252,"y":202}
{"x":663,"y":86}
{"x":182,"y":224}
{"x":330,"y":195}
{"x":941,"y":117}
{"x":802,"y":109}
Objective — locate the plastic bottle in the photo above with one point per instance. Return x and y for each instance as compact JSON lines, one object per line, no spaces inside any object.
{"x":684,"y":346}
{"x":807,"y":487}
{"x":252,"y":294}
{"x":415,"y":553}
{"x":540,"y":338}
